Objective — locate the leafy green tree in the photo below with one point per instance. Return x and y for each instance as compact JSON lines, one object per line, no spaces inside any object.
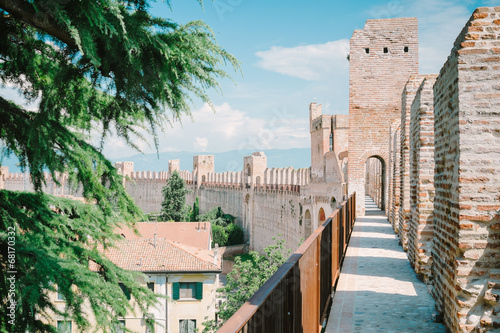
{"x":219,"y":235}
{"x":174,"y":206}
{"x":246,"y":278}
{"x":235,"y":235}
{"x":90,"y":66}
{"x":217,"y":217}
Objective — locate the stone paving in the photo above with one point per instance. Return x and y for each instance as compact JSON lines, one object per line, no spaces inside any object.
{"x":378,"y":291}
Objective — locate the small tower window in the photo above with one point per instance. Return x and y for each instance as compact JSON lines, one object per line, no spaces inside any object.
{"x":367,"y":50}
{"x":331,"y":141}
{"x":406,"y":49}
{"x":386,"y":50}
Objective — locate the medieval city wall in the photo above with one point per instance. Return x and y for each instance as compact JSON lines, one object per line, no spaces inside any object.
{"x":449,"y":150}
{"x":21,"y":182}
{"x":267,"y":202}
{"x":467,"y":202}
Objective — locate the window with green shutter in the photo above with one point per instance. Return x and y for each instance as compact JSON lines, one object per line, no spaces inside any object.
{"x":187,"y":290}
{"x":175,"y":290}
{"x":199,"y":290}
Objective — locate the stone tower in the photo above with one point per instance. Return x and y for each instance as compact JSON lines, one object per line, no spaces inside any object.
{"x":321,"y":129}
{"x":329,"y":135}
{"x":202,"y":165}
{"x":254,"y":167}
{"x":173,"y":165}
{"x":382,"y":57}
{"x":4,"y":172}
{"x":125,"y":168}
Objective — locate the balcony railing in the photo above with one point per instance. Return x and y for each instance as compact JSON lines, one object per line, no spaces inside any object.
{"x":297,"y":296}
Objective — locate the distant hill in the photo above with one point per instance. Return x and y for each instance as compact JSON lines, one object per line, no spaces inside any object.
{"x":227,"y":161}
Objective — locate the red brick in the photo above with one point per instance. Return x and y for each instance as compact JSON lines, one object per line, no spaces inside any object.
{"x":488,"y":207}
{"x":481,"y":218}
{"x":480,"y":15}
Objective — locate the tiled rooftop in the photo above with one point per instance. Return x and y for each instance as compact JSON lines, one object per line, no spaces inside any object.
{"x":161,"y":255}
{"x":193,"y":234}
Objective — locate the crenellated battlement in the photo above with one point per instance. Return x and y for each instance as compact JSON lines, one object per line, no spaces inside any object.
{"x":257,"y":174}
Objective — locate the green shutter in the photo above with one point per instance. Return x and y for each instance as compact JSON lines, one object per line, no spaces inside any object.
{"x":175,"y":290}
{"x":125,"y":291}
{"x":199,"y":290}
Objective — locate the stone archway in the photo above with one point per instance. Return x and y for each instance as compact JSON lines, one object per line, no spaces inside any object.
{"x":248,"y":175}
{"x":321,"y":216}
{"x":375,"y":180}
{"x":333,"y":203}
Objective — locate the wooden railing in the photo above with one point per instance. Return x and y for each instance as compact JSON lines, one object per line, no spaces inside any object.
{"x":297,"y":296}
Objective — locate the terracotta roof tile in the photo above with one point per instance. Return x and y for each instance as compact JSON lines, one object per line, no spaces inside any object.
{"x":193,"y":234}
{"x":142,"y":255}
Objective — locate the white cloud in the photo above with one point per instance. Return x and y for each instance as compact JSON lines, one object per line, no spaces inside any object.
{"x":309,"y":62}
{"x":11,"y":93}
{"x":226,"y":129}
{"x":200,"y":144}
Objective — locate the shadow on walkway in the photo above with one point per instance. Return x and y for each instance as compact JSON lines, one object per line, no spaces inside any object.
{"x":378,"y":291}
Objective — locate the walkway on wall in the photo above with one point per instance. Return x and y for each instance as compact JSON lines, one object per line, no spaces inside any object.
{"x":378,"y":291}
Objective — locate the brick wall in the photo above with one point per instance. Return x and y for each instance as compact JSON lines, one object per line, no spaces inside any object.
{"x":467,"y":153}
{"x":421,"y":167}
{"x":407,"y":98}
{"x":382,"y":57}
{"x":394,"y":174}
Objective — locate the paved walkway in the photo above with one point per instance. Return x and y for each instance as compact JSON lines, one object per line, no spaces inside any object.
{"x":378,"y":291}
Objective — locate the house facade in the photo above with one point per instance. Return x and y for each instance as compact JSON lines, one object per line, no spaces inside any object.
{"x":188,"y":276}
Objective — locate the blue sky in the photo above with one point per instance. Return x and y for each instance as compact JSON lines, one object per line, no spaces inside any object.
{"x":292,"y":52}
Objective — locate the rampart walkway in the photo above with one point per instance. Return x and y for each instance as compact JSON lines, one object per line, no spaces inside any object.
{"x":378,"y":291}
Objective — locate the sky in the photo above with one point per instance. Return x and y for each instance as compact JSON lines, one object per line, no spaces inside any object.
{"x":292,"y":53}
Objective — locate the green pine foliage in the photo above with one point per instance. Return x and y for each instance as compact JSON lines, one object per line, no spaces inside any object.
{"x":58,"y":246}
{"x":87,"y":67}
{"x":195,"y":211}
{"x":174,"y":206}
{"x":235,"y":235}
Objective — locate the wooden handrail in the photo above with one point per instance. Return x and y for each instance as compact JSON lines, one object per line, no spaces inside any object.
{"x":296,"y":297}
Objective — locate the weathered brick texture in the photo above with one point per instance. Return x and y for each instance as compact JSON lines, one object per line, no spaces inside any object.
{"x":421,"y":167}
{"x":394,"y":174}
{"x":407,"y":98}
{"x":379,"y":68}
{"x":466,"y":248}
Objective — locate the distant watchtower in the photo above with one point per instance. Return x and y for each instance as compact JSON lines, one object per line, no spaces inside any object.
{"x":125,"y":168}
{"x":202,"y":166}
{"x":382,"y":57}
{"x":328,"y":138}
